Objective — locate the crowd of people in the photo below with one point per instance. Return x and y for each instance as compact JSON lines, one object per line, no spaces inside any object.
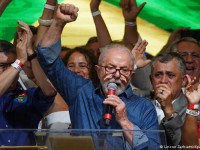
{"x":47,"y":85}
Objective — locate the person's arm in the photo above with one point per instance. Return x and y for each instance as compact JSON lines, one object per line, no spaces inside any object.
{"x":173,"y":37}
{"x":12,"y":73}
{"x":130,"y":12}
{"x":141,"y":78}
{"x":3,"y":5}
{"x":64,"y":14}
{"x":48,"y":14}
{"x":189,"y":129}
{"x":41,"y":78}
{"x":7,"y":78}
{"x":103,"y":35}
{"x":49,"y":50}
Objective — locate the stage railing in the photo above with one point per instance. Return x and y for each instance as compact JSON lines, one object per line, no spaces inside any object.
{"x":86,"y":139}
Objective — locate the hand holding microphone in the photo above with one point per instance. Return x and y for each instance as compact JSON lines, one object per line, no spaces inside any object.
{"x":112,"y":87}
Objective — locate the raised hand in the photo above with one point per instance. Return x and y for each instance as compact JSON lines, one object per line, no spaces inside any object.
{"x":138,"y":53}
{"x":192,"y":91}
{"x":21,"y":45}
{"x":130,"y":9}
{"x":66,"y":13}
{"x":94,"y":5}
{"x":25,"y":28}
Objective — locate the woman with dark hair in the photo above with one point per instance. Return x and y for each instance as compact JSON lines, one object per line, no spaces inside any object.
{"x":82,"y":62}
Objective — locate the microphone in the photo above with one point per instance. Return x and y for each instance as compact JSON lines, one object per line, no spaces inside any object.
{"x":112,"y":87}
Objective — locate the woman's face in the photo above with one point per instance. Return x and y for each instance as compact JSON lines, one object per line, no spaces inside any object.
{"x":77,"y":63}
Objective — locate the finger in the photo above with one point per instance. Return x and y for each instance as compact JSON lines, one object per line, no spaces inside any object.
{"x":125,"y":4}
{"x":136,"y":45}
{"x":134,"y":3}
{"x":75,"y":13}
{"x":142,"y":46}
{"x":25,"y":29}
{"x":147,"y":61}
{"x":141,"y":7}
{"x":22,"y":23}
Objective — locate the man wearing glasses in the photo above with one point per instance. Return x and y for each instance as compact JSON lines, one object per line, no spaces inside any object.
{"x":189,"y":49}
{"x":86,"y":102}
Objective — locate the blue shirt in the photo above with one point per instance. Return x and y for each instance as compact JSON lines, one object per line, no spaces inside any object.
{"x":85,"y":100}
{"x":21,"y":110}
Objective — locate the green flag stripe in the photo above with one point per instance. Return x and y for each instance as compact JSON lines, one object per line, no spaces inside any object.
{"x":26,"y":10}
{"x":169,"y":14}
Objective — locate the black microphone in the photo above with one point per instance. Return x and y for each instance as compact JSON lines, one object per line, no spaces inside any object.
{"x":112,"y":87}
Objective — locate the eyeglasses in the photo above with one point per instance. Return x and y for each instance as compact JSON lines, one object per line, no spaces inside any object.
{"x":3,"y":66}
{"x":193,"y":54}
{"x":112,"y":69}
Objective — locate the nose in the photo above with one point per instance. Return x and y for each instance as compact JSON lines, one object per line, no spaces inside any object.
{"x":117,"y":73}
{"x":77,"y":69}
{"x":164,"y":79}
{"x":188,"y":58}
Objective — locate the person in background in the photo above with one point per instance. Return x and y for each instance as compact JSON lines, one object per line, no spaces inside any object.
{"x":189,"y":49}
{"x":86,"y":102}
{"x":168,"y":78}
{"x":174,"y":36}
{"x":21,"y":109}
{"x":93,"y":46}
{"x":190,"y":130}
{"x":82,"y":61}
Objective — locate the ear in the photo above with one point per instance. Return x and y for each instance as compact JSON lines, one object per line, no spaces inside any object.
{"x":185,"y":81}
{"x":132,"y":73}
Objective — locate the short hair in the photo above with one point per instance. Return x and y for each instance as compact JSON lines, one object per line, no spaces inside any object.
{"x":167,"y":57}
{"x":7,"y":47}
{"x":173,"y":46}
{"x":106,"y":48}
{"x":90,"y":58}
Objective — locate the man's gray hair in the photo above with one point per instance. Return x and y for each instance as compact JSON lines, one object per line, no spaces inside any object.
{"x":167,"y":57}
{"x":173,"y":47}
{"x":108,"y":47}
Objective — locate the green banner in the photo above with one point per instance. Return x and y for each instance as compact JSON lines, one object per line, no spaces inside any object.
{"x":170,"y":14}
{"x":26,"y":10}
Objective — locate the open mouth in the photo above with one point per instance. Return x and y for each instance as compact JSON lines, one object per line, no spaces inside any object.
{"x":190,"y":69}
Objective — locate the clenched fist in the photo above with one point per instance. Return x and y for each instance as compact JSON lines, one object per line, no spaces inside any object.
{"x":66,"y":13}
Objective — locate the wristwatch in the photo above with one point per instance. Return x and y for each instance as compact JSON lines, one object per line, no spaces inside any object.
{"x":32,"y":56}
